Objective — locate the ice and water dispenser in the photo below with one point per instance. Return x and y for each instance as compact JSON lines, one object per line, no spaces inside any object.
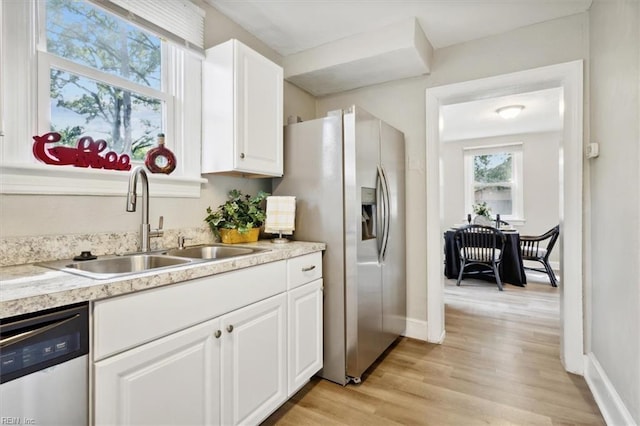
{"x":368,"y":198}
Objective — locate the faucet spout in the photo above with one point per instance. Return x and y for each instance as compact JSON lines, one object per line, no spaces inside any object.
{"x":145,"y":228}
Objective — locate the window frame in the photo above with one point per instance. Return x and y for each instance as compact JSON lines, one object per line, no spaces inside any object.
{"x":517,"y":185}
{"x":24,"y":115}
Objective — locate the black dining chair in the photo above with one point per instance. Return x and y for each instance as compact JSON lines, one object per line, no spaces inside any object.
{"x":480,"y":245}
{"x":502,"y":222}
{"x":538,"y":248}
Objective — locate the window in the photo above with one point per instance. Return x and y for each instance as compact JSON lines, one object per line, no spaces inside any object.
{"x":82,"y":68}
{"x":493,"y":175}
{"x":106,"y":83}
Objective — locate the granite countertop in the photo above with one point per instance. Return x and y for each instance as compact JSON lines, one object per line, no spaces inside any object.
{"x":31,"y":288}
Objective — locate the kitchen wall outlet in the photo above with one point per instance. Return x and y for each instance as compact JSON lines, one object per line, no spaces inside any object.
{"x":593,"y":150}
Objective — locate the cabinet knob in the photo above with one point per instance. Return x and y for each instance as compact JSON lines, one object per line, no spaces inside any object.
{"x":242,"y":155}
{"x":230,"y":328}
{"x":217,"y":334}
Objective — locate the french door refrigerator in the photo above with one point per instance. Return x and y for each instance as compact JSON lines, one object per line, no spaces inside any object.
{"x":347,"y":172}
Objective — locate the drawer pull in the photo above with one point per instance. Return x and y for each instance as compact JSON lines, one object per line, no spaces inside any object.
{"x":309,"y":268}
{"x":217,"y":334}
{"x":230,"y":328}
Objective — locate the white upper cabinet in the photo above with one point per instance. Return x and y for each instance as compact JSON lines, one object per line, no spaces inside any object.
{"x":241,"y":112}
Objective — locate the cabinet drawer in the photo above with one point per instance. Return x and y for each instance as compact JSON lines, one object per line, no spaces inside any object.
{"x":304,"y":269}
{"x":127,"y":321}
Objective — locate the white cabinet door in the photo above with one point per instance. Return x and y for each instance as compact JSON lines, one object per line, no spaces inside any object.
{"x":172,"y":380}
{"x":242,"y":110}
{"x":304,"y":334}
{"x":259,"y":113}
{"x":253,"y":373}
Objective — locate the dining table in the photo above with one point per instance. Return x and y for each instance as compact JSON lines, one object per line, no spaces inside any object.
{"x":511,"y":267}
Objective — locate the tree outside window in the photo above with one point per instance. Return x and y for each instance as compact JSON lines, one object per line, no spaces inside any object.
{"x":112,"y":89}
{"x":493,"y":175}
{"x":66,"y":68}
{"x":493,"y":181}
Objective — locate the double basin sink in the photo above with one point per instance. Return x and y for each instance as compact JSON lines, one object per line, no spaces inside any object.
{"x":115,"y":266}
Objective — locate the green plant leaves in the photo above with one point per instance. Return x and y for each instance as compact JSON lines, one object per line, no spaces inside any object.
{"x":241,"y":212}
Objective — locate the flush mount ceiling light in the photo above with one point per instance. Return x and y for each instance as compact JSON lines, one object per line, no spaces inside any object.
{"x":510,"y":111}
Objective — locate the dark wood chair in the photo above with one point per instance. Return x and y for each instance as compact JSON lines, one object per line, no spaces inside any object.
{"x":538,"y":248}
{"x":480,"y":245}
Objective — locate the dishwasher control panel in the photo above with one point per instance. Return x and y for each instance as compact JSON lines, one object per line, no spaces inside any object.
{"x":33,"y":342}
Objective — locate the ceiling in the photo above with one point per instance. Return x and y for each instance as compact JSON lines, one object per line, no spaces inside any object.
{"x":478,"y":119}
{"x":304,"y":31}
{"x":292,"y":26}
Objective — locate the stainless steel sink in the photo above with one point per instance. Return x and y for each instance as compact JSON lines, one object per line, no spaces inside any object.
{"x":212,"y":252}
{"x":116,"y":266}
{"x":110,"y":267}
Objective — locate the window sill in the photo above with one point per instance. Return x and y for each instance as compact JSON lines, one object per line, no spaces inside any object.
{"x":54,"y":180}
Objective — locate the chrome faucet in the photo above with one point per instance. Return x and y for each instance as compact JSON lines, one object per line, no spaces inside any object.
{"x":145,"y":229}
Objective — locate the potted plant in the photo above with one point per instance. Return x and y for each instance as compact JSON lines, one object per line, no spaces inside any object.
{"x":483,"y":214}
{"x":481,"y":209}
{"x":239,"y":219}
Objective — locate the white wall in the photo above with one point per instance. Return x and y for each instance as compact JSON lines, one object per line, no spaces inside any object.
{"x":30,"y":215}
{"x":402,"y":104}
{"x":614,"y":179}
{"x":540,"y":152}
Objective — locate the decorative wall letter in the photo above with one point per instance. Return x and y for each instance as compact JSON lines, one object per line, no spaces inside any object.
{"x":85,"y":154}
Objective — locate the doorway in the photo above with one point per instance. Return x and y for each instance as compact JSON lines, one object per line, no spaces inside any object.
{"x":568,"y":77}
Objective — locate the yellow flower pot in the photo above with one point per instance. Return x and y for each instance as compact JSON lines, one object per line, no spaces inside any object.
{"x":232,"y":236}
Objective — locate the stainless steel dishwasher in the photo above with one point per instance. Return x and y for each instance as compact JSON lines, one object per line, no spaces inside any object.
{"x":44,"y":367}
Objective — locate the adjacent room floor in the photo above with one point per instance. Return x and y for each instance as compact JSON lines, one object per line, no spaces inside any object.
{"x":499,"y":364}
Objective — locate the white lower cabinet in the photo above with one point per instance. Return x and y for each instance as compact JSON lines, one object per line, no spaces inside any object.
{"x":254,"y":361}
{"x":170,"y":381}
{"x":230,"y":370}
{"x":304,"y":334}
{"x":234,"y":367}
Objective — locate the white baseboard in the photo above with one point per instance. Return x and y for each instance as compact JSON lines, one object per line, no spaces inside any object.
{"x":416,"y":329}
{"x":611,"y":405}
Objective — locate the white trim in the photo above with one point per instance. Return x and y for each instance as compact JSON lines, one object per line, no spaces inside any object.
{"x":67,"y":180}
{"x":416,"y":329}
{"x":496,"y":147}
{"x":434,"y":218}
{"x":516,"y":185}
{"x":568,"y":76}
{"x":20,"y":171}
{"x":1,"y":72}
{"x":18,"y":79}
{"x":49,"y":60}
{"x":609,"y":402}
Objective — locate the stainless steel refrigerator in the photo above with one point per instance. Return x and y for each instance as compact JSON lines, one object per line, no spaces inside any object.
{"x":347,"y":171}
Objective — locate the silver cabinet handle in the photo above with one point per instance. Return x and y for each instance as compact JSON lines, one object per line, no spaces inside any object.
{"x":217,"y":334}
{"x":242,"y":155}
{"x":309,"y":268}
{"x":230,"y":328}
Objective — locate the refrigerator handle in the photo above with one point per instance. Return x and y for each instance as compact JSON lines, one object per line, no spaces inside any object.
{"x":386,"y":218}
{"x":387,"y":212}
{"x":380,"y":213}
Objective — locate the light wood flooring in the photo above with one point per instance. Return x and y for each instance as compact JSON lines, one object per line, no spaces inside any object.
{"x":499,"y":365}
